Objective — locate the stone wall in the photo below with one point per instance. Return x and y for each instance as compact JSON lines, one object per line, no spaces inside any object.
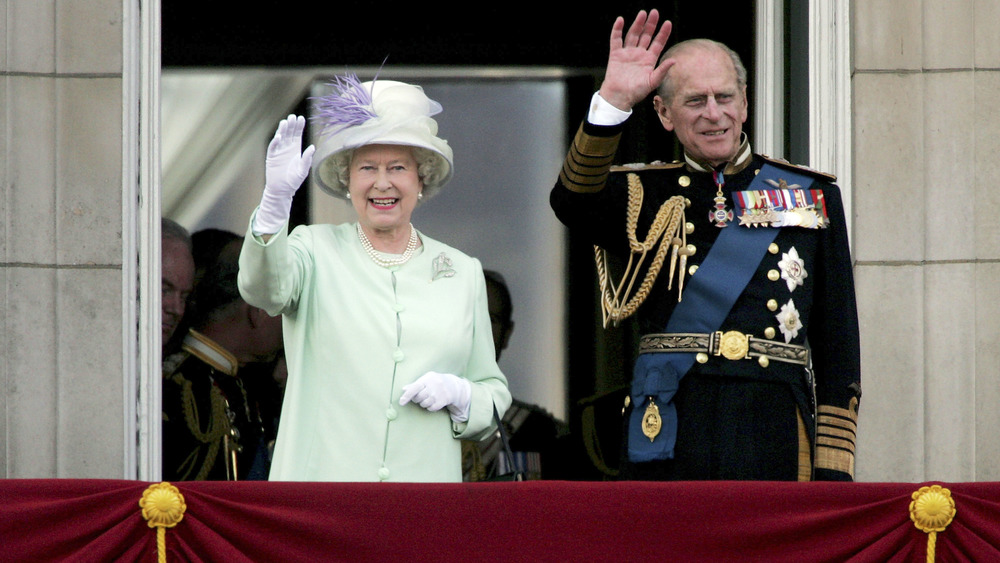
{"x":926,"y":87}
{"x":61,"y":368}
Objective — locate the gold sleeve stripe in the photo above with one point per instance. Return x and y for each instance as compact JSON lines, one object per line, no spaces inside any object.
{"x":837,"y":412}
{"x":837,"y":422}
{"x":836,"y":433}
{"x":578,"y":182}
{"x":805,"y":451}
{"x":836,"y":428}
{"x":835,"y":442}
{"x":587,"y":164}
{"x":578,"y":164}
{"x":836,"y":460}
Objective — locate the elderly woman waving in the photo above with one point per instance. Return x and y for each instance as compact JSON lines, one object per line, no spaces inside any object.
{"x":387,"y":333}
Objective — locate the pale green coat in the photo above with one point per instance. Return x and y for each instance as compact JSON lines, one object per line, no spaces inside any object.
{"x":355,"y":333}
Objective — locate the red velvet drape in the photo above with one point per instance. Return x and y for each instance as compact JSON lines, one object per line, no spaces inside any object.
{"x":100,"y":520}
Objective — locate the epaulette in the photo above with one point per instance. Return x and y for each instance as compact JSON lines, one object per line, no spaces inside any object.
{"x":800,"y":168}
{"x":172,"y":362}
{"x":640,"y":166}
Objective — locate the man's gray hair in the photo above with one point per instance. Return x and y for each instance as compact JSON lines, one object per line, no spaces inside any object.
{"x":172,"y":230}
{"x":666,"y":89}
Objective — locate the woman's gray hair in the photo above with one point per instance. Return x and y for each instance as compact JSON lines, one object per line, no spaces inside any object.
{"x":431,"y":167}
{"x":666,"y":89}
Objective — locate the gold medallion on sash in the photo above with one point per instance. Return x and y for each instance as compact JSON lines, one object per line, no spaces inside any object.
{"x":651,"y":421}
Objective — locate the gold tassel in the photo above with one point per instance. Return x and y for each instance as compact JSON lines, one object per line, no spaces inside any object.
{"x":667,"y":229}
{"x":931,"y":510}
{"x":163,"y":507}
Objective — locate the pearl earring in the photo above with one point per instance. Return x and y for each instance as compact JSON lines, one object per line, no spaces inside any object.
{"x":348,"y":195}
{"x":420,"y":195}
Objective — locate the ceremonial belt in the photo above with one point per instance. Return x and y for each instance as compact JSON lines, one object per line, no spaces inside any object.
{"x":729,"y":264}
{"x":732,"y":345}
{"x":708,"y":299}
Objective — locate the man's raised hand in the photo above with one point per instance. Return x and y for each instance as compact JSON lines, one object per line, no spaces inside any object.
{"x":632,"y":71}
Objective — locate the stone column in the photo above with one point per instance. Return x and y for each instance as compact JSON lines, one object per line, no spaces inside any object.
{"x":64,"y":410}
{"x":926,"y":87}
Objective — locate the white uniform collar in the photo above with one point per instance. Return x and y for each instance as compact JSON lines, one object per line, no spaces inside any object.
{"x":210,"y":352}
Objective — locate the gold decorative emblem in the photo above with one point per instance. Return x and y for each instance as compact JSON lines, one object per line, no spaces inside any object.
{"x":651,"y":421}
{"x":684,"y":181}
{"x":734,"y":345}
{"x":781,"y":184}
{"x":163,"y":507}
{"x":932,"y":509}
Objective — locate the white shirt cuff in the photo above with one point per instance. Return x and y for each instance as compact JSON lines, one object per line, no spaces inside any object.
{"x":603,"y":113}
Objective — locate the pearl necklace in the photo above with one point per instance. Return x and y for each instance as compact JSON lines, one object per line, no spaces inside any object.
{"x":376,"y":257}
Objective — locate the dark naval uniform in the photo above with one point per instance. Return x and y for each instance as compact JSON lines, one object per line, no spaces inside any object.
{"x":536,"y":440}
{"x":210,"y":427}
{"x":757,"y":374}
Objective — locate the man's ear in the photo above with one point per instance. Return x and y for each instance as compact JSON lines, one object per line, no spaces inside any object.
{"x":746,"y":105}
{"x":663,"y":112}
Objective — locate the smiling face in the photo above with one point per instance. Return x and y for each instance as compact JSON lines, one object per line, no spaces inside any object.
{"x":384,"y":187}
{"x":708,"y":106}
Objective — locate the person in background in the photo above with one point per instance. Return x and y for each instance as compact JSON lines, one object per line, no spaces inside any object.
{"x":265,"y":381}
{"x":737,"y":267}
{"x":387,"y":333}
{"x":177,"y":281}
{"x":536,"y":437}
{"x":212,"y":423}
{"x":207,"y":245}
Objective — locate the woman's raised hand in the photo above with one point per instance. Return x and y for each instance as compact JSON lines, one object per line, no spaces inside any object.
{"x":285,"y":168}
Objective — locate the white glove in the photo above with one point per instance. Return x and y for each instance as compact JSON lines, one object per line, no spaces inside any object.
{"x":284,"y":171}
{"x":434,"y":391}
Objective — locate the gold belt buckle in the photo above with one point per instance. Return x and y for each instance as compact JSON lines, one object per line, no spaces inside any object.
{"x":733,"y":345}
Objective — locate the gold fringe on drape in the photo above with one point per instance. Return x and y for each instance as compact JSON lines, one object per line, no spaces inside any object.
{"x":163,"y":507}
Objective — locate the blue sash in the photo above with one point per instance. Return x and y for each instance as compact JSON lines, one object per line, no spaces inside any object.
{"x":707,"y":300}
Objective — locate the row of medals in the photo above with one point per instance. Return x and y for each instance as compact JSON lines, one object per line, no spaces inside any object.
{"x":720,"y":216}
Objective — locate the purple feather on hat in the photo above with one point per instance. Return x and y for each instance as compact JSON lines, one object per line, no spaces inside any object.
{"x":349,"y":104}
